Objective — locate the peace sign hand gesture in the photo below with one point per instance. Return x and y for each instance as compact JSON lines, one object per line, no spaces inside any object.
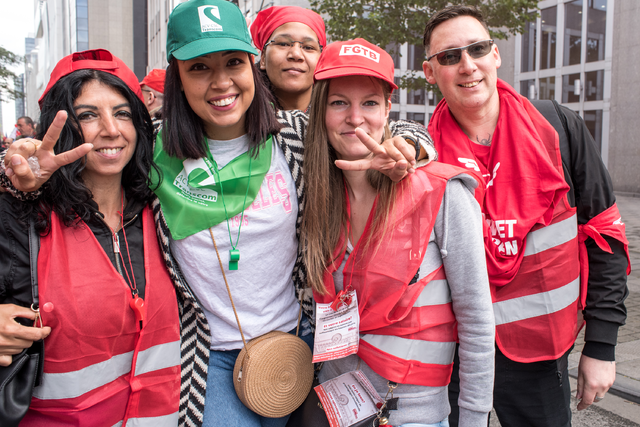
{"x":18,"y":170}
{"x":394,"y":157}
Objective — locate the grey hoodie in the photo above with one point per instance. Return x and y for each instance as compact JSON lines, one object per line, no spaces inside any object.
{"x":456,"y":241}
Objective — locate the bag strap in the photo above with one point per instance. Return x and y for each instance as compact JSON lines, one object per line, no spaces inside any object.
{"x":38,"y":346}
{"x":224,"y":276}
{"x":34,"y":248}
{"x":550,"y":111}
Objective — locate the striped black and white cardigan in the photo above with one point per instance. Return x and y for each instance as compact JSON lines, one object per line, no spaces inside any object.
{"x":195,"y":332}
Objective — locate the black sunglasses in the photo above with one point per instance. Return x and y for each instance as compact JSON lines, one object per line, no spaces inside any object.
{"x":452,"y":56}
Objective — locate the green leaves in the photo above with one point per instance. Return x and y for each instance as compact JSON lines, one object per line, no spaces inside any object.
{"x":402,"y":21}
{"x":8,"y":59}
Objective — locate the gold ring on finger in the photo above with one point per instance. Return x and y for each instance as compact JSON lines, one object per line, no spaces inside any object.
{"x":35,"y":146}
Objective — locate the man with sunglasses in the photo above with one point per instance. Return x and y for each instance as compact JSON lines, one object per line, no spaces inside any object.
{"x":546,"y":198}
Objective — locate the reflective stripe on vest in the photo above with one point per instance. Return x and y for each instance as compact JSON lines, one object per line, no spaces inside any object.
{"x":435,"y":293}
{"x":536,"y":313}
{"x":158,"y":357}
{"x":73,"y":384}
{"x":76,"y":383}
{"x":551,"y":236}
{"x":522,"y":308}
{"x":428,"y":352}
{"x":170,"y":420}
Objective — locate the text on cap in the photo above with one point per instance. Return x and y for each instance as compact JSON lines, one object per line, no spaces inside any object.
{"x":359,"y":50}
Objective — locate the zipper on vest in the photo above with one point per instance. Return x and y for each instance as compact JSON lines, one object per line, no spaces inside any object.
{"x":116,"y":242}
{"x":116,"y":251}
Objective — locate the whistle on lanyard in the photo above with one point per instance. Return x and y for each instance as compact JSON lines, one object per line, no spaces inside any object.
{"x":139,"y":309}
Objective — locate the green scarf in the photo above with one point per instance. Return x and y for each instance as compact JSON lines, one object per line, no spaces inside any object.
{"x":189,"y":190}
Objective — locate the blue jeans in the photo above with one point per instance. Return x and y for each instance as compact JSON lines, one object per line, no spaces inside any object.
{"x":222,"y":406}
{"x":443,"y":423}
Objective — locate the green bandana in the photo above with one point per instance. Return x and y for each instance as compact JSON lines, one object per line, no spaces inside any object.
{"x":189,"y":191}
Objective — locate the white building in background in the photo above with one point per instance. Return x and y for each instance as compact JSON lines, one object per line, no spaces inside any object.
{"x":66,"y":26}
{"x":585,"y":54}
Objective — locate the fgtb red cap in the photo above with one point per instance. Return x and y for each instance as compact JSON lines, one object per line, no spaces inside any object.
{"x":355,"y":57}
{"x":155,"y":79}
{"x":96,"y":59}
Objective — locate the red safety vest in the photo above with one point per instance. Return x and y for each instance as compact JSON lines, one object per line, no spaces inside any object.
{"x":537,"y":312}
{"x":535,"y":273}
{"x":100,"y":368}
{"x":408,"y":332}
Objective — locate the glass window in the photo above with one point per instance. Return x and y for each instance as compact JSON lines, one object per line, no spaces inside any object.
{"x":394,"y":115}
{"x":82,"y":3}
{"x":547,"y":88}
{"x":593,"y":120}
{"x":529,"y":47}
{"x":83,"y":46}
{"x":394,"y":50}
{"x":528,"y":88}
{"x":596,"y":24}
{"x":434,"y":97}
{"x":569,"y":88}
{"x":572,"y":32}
{"x":417,"y":96}
{"x":594,"y":85}
{"x":416,"y":57}
{"x":82,"y":12}
{"x":82,"y":25}
{"x":416,"y":117}
{"x":395,"y":96}
{"x":548,"y":42}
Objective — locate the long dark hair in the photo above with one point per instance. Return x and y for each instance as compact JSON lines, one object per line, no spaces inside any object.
{"x":66,"y":193}
{"x":183,"y":134}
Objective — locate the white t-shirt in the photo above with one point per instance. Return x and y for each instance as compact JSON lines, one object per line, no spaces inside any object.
{"x":262,"y":288}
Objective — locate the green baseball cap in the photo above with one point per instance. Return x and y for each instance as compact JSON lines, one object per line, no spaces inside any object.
{"x":199,"y":27}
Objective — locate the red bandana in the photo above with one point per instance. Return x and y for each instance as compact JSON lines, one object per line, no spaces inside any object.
{"x":523,"y":180}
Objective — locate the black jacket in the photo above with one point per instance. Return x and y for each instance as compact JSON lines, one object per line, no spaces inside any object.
{"x":15,"y":281}
{"x":592,"y":193}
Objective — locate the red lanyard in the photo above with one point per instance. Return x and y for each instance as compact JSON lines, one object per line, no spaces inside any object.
{"x":136,"y":303}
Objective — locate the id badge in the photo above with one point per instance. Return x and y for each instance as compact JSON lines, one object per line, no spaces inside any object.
{"x":337,"y":329}
{"x":348,"y":399}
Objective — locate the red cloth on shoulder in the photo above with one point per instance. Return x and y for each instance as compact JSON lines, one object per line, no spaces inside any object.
{"x":609,"y":223}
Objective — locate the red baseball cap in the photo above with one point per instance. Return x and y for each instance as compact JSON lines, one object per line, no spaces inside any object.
{"x":355,"y":57}
{"x":95,"y":59}
{"x":269,"y":19}
{"x":155,"y":79}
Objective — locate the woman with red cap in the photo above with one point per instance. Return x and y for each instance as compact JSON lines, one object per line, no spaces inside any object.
{"x":105,"y":304}
{"x":291,"y":39}
{"x":408,"y":254}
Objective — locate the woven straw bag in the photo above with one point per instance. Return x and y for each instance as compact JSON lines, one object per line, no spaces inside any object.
{"x":274,"y":372}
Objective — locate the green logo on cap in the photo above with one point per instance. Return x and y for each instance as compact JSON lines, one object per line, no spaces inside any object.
{"x":207,"y":22}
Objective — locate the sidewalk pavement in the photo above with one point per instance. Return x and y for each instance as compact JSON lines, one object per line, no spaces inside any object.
{"x":627,"y":383}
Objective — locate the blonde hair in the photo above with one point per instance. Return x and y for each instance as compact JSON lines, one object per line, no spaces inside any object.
{"x":325,"y":216}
